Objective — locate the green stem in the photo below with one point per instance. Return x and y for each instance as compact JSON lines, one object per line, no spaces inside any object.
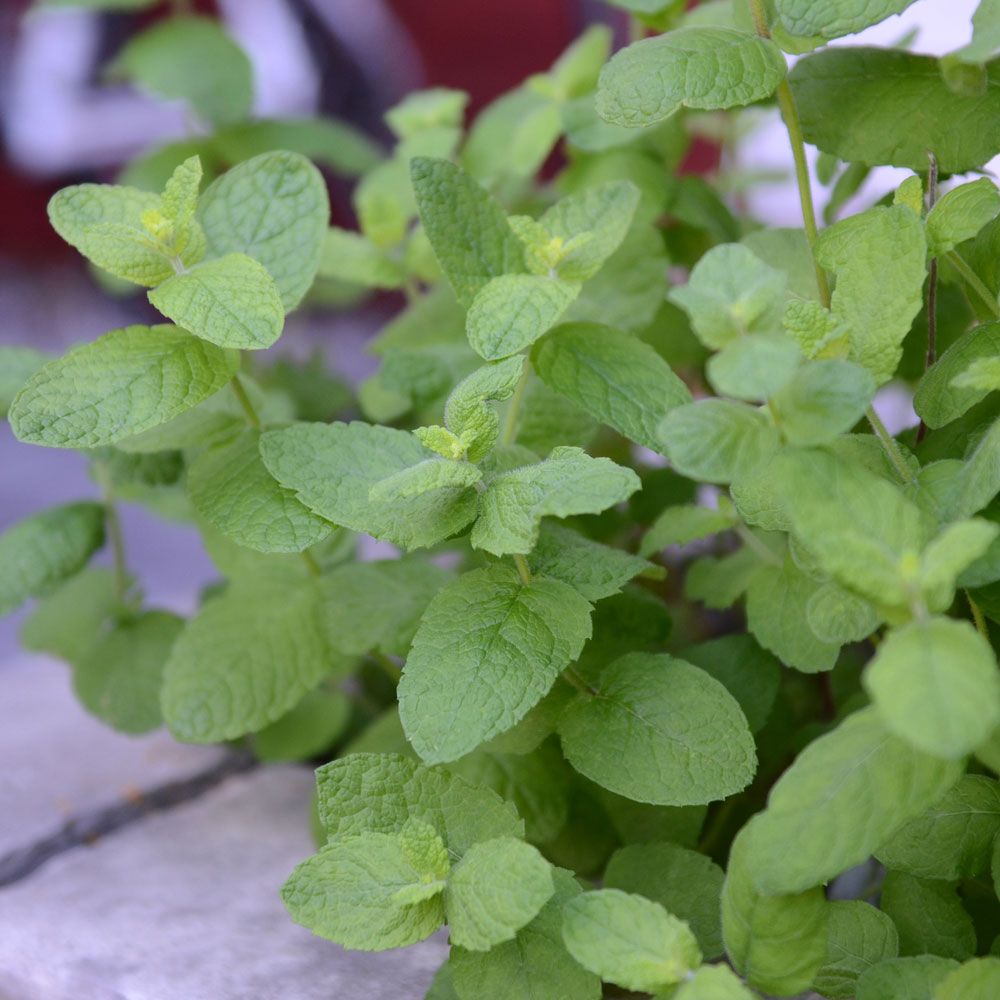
{"x":248,"y":408}
{"x":717,"y":825}
{"x":978,"y":617}
{"x":522,"y":568}
{"x":974,"y":282}
{"x":311,"y":564}
{"x":113,"y":526}
{"x":889,"y":445}
{"x":751,"y":541}
{"x":793,"y":126}
{"x":514,"y":406}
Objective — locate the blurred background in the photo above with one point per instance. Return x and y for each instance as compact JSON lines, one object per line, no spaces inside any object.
{"x":64,"y":122}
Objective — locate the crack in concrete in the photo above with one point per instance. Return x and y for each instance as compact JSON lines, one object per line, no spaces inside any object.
{"x":88,"y":827}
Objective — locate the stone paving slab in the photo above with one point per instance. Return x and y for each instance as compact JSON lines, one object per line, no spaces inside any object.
{"x":59,"y":762}
{"x":184,"y":905}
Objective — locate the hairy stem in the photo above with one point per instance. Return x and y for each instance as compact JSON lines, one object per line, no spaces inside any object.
{"x":978,"y":617}
{"x":974,"y":282}
{"x":889,"y":445}
{"x":514,"y":406}
{"x":790,"y":116}
{"x":113,"y":526}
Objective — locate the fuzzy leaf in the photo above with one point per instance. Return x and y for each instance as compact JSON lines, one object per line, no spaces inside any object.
{"x":628,"y":940}
{"x":977,"y":979}
{"x":754,"y":368}
{"x":613,"y":376}
{"x":568,"y":482}
{"x":273,"y":208}
{"x":960,"y":214}
{"x":497,"y":888}
{"x":682,"y":524}
{"x":685,"y":735}
{"x":939,"y":399}
{"x":836,"y":17}
{"x":307,"y":730}
{"x":488,"y":648}
{"x":701,"y":68}
{"x":711,"y":982}
{"x":121,"y":384}
{"x":936,"y":685}
{"x":466,"y":412}
{"x":909,"y":978}
{"x":821,"y":401}
{"x":929,"y":917}
{"x":859,"y":937}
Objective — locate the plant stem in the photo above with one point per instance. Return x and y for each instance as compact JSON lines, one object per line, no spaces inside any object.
{"x":245,"y":401}
{"x":974,"y":282}
{"x":514,"y":406}
{"x":522,"y":568}
{"x":932,"y":284}
{"x":311,"y":564}
{"x":717,"y":825}
{"x":113,"y":526}
{"x":978,"y":617}
{"x":889,"y":445}
{"x":790,"y":116}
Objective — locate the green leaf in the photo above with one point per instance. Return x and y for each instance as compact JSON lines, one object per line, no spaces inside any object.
{"x":231,"y":301}
{"x":719,"y":583}
{"x":701,"y":68}
{"x":960,"y":214}
{"x":940,"y":398}
{"x":273,"y":208}
{"x":69,"y":620}
{"x":711,"y":982}
{"x":468,"y":230}
{"x":497,"y":888}
{"x":778,"y":598}
{"x":191,"y":59}
{"x":612,"y":375}
{"x":372,"y":891}
{"x":429,"y":476}
{"x":682,"y":524}
{"x":628,"y":940}
{"x":121,"y":384}
{"x":846,"y":794}
{"x":488,"y":648}
{"x":381,"y":792}
{"x":777,"y":942}
{"x":534,"y":965}
{"x":378,"y":605}
{"x":731,"y":293}
{"x":17,"y":365}
{"x":879,"y":259}
{"x":936,"y":685}
{"x":424,"y":109}
{"x":837,"y":616}
{"x":685,"y":883}
{"x":837,"y":18}
{"x":46,"y":548}
{"x":333,"y":467}
{"x":466,"y":412}
{"x":246,"y":659}
{"x":349,"y":256}
{"x":753,"y":368}
{"x":595,"y":570}
{"x":684,"y":734}
{"x":717,"y":440}
{"x":852,"y":100}
{"x":929,"y":916}
{"x":568,"y":482}
{"x":750,"y":674}
{"x":230,"y":487}
{"x":859,"y":937}
{"x":307,"y":730}
{"x":977,"y":979}
{"x":821,"y":401}
{"x":511,"y":312}
{"x":119,"y":678}
{"x":909,"y":978}
{"x":953,"y":838}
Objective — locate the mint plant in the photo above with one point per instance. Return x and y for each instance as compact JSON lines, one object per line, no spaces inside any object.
{"x":678,"y":633}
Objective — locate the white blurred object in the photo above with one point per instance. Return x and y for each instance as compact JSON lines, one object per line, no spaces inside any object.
{"x":942,"y":27}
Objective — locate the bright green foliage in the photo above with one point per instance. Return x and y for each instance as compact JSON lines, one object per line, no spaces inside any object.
{"x":978,"y":979}
{"x":929,"y":917}
{"x":17,"y":365}
{"x":568,"y":482}
{"x":120,"y":676}
{"x":844,"y":797}
{"x":913,"y":978}
{"x":230,"y":487}
{"x":232,"y":302}
{"x":836,"y":18}
{"x":940,"y":396}
{"x":852,"y":101}
{"x":704,"y":68}
{"x":332,"y":468}
{"x":753,"y":368}
{"x":628,"y":940}
{"x":467,"y":414}
{"x":497,"y":888}
{"x":44,"y":549}
{"x":611,"y":375}
{"x":684,"y":882}
{"x":246,"y":659}
{"x":123,"y":383}
{"x":821,"y":401}
{"x":711,"y":982}
{"x":273,"y":208}
{"x":534,"y":964}
{"x":960,"y":214}
{"x":307,"y":730}
{"x":953,"y":838}
{"x":194,"y":60}
{"x":879,"y":260}
{"x":936,"y":685}
{"x":488,"y":648}
{"x":859,"y":937}
{"x":685,"y":732}
{"x":682,"y":524}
